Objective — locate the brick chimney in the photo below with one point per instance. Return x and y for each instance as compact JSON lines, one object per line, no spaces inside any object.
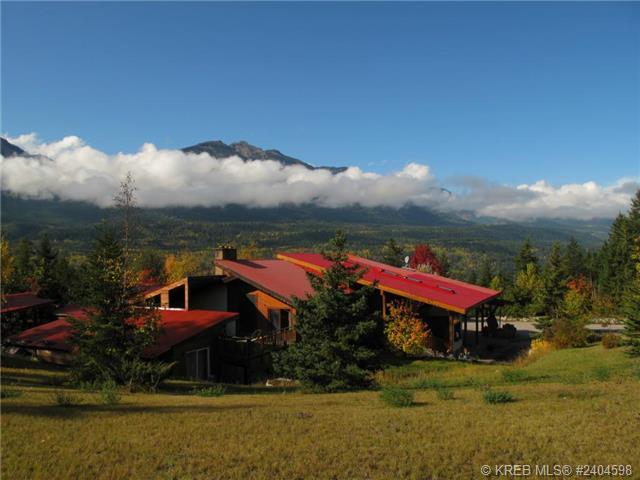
{"x":223,"y":252}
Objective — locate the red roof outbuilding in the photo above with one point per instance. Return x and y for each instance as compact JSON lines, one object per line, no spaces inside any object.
{"x":15,"y":302}
{"x":177,"y":326}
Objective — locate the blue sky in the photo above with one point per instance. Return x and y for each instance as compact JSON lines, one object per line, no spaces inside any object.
{"x":512,"y":92}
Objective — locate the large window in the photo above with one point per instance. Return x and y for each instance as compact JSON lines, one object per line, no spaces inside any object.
{"x":274,"y":318}
{"x":279,"y":319}
{"x":198,"y":363}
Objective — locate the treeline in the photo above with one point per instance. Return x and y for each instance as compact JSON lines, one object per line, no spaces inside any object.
{"x":598,"y":279}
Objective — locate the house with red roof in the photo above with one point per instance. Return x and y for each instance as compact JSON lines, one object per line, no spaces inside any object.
{"x":187,"y":338}
{"x":446,"y":305}
{"x":21,"y":310}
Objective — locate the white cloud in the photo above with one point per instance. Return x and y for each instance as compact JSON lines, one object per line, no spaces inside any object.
{"x":72,"y":170}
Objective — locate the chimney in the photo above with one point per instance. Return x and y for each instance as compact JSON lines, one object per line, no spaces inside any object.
{"x":223,"y":252}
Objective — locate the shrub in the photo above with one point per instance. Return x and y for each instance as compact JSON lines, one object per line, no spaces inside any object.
{"x":498,"y":396}
{"x":4,"y":393}
{"x":213,"y":391}
{"x":396,"y":397}
{"x":539,"y":348}
{"x":428,"y":383}
{"x":445,"y":394}
{"x":405,"y":330}
{"x":567,"y":333}
{"x":602,"y":373}
{"x":109,"y":393}
{"x":65,"y":399}
{"x":611,"y":340}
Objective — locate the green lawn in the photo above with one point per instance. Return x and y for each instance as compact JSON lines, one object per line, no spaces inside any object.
{"x":572,"y":407}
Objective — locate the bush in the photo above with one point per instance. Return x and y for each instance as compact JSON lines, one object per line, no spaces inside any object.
{"x":109,"y":393}
{"x":65,"y":399}
{"x":498,"y":396}
{"x":396,"y":397}
{"x":213,"y":391}
{"x":566,"y":333}
{"x":4,"y":393}
{"x":444,"y":394}
{"x":611,"y":340}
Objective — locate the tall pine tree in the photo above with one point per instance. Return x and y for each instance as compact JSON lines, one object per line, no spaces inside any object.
{"x":555,"y":281}
{"x":392,"y":253}
{"x":526,"y":256}
{"x":119,"y":326}
{"x":338,"y":336}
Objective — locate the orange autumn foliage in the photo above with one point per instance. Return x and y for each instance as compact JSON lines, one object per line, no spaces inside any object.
{"x":404,"y":328}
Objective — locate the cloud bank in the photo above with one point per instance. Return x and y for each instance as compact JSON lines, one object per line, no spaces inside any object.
{"x":70,"y":169}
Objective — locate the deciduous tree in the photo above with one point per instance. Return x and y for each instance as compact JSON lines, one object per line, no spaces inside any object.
{"x":424,"y":260}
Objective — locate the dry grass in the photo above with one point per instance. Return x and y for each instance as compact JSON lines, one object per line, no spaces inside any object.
{"x":351,"y":435}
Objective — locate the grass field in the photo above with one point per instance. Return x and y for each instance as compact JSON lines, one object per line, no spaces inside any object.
{"x":572,"y":407}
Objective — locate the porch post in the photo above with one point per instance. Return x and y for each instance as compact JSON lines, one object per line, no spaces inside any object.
{"x":384,"y":305}
{"x":476,"y":315}
{"x":464,"y":336}
{"x":451,"y":330}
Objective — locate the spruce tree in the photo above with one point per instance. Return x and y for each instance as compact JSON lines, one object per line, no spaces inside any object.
{"x":47,"y":283}
{"x":119,"y":326}
{"x":24,"y":266}
{"x":575,"y":260}
{"x":554,"y":280}
{"x":338,"y":336}
{"x":485,"y":272}
{"x":392,"y":253}
{"x":632,"y":310}
{"x":616,"y":267}
{"x":526,"y":256}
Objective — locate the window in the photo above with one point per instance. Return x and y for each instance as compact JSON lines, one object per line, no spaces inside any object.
{"x":197,"y":362}
{"x":284,"y":319}
{"x":274,"y":318}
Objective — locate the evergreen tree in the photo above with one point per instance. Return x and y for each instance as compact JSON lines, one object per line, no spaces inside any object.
{"x":616,"y":267}
{"x":526,"y":256}
{"x":6,"y":267}
{"x":445,"y":263}
{"x":338,"y":337}
{"x":555,"y":281}
{"x":634,"y":215}
{"x":575,"y":264}
{"x":24,"y":266}
{"x":632,"y":302}
{"x":47,"y":283}
{"x":485,"y":272}
{"x":392,"y":253}
{"x":119,"y":326}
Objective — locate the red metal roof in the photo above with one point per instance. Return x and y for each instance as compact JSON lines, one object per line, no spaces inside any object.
{"x":15,"y":302}
{"x":440,"y":291}
{"x":281,"y":279}
{"x":177,"y":325}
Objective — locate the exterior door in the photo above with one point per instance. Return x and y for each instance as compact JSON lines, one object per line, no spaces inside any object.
{"x":197,"y":362}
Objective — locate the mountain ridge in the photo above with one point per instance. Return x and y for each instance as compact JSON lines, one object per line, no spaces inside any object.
{"x":249,"y":152}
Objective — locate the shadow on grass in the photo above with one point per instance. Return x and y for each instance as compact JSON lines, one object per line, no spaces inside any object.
{"x":74,"y":411}
{"x":185,"y":387}
{"x":33,"y":379}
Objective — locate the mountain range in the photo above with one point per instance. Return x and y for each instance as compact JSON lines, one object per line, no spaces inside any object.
{"x":289,"y":225}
